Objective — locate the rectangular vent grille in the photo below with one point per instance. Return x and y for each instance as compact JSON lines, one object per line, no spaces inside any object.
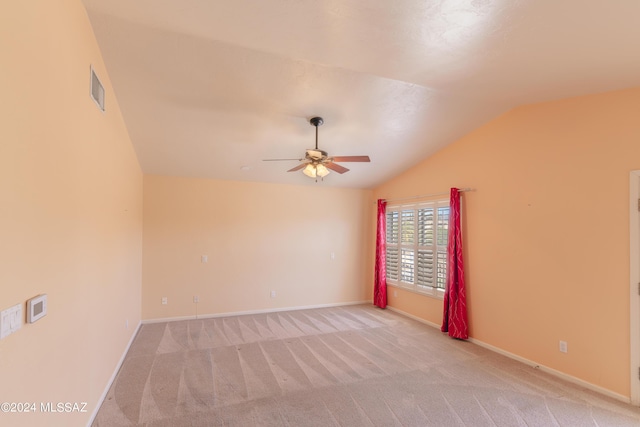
{"x":97,"y":91}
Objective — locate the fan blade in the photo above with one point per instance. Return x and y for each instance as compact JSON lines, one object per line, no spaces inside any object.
{"x":297,"y":168}
{"x":335,"y":167}
{"x":351,"y":159}
{"x":280,"y":160}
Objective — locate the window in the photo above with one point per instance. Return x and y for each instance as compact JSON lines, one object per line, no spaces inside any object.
{"x":417,"y":246}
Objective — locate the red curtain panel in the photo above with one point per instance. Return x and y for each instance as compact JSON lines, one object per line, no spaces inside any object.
{"x":380,"y":282}
{"x":454,"y":319}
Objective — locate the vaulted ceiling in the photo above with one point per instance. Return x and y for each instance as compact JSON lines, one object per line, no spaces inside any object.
{"x":210,"y":88}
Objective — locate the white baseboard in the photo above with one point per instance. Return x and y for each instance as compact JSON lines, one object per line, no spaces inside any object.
{"x":554,"y":372}
{"x":528,"y":362}
{"x":113,"y":376}
{"x":242,"y":313}
{"x":419,"y":319}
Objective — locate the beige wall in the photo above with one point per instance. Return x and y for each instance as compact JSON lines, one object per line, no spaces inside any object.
{"x":258,"y":238}
{"x":70,"y":213}
{"x":546,"y":231}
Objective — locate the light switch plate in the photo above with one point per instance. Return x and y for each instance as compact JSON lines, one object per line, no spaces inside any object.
{"x":10,"y":320}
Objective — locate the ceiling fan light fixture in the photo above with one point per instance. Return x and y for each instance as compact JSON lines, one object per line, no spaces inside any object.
{"x":310,"y":170}
{"x":322,"y":170}
{"x":315,"y":171}
{"x":316,"y":163}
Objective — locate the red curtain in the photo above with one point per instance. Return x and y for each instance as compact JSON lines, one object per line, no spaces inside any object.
{"x":455,"y":301}
{"x":380,"y":283}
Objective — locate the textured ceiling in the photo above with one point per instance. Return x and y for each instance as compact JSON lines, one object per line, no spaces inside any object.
{"x":210,"y":88}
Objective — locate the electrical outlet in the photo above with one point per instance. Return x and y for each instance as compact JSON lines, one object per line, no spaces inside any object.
{"x":196,"y":299}
{"x":164,"y":300}
{"x":563,"y":347}
{"x":273,"y":294}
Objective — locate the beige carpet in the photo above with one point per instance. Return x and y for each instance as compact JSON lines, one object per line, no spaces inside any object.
{"x":344,"y":366}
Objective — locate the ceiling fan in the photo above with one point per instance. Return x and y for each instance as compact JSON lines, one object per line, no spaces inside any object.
{"x":316,"y":163}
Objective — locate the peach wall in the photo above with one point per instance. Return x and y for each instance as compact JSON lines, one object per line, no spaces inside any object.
{"x":70,"y":214}
{"x":546,"y":231}
{"x":258,"y":238}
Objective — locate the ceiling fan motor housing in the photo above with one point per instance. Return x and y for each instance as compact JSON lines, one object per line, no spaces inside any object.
{"x":316,"y":155}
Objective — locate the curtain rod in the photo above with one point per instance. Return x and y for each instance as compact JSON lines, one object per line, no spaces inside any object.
{"x":444,"y":193}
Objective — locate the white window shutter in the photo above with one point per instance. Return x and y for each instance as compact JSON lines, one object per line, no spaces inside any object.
{"x":392,"y":261}
{"x":393,"y":227}
{"x":425,"y":267}
{"x":417,"y":238}
{"x":407,"y":263}
{"x":407,"y":227}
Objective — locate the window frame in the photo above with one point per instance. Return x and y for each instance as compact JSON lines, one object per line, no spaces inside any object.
{"x":415,"y":244}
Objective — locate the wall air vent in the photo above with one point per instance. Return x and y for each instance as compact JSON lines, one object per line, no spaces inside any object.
{"x":97,"y":91}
